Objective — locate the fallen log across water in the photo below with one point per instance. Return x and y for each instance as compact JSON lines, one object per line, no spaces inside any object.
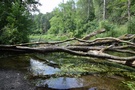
{"x":97,"y":48}
{"x":90,"y":53}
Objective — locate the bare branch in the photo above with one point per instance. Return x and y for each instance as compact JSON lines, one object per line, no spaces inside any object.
{"x":93,"y":34}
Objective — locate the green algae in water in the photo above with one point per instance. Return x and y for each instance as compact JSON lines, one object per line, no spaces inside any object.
{"x":74,"y":66}
{"x":102,"y":81}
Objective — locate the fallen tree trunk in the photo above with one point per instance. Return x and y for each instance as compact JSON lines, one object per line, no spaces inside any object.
{"x":97,"y":48}
{"x":90,"y":53}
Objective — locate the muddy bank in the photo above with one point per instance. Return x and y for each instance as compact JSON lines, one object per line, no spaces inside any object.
{"x":14,"y":80}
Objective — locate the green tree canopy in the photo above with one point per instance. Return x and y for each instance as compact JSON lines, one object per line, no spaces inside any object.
{"x":15,"y":19}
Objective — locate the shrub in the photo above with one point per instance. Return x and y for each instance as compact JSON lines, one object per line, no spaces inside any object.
{"x":131,"y":26}
{"x":11,"y":35}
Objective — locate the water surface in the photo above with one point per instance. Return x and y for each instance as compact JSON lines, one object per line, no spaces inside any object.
{"x":64,"y":65}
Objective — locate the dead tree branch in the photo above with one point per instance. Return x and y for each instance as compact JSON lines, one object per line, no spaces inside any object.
{"x":97,"y":48}
{"x":95,"y":54}
{"x":93,"y":34}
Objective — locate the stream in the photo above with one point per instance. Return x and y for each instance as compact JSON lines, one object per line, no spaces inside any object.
{"x":62,"y":72}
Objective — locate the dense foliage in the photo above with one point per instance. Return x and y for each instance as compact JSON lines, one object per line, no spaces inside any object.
{"x":42,"y":23}
{"x":80,"y":17}
{"x":15,"y":20}
{"x":74,"y":18}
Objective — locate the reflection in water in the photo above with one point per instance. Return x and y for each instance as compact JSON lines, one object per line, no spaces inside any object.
{"x":61,"y":83}
{"x":83,"y":83}
{"x":39,"y":68}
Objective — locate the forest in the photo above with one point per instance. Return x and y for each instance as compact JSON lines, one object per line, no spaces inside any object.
{"x":77,"y":18}
{"x":94,"y":29}
{"x":74,"y":18}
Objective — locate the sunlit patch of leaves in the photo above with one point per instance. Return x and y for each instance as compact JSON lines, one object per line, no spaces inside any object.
{"x":71,"y":69}
{"x":130,"y":84}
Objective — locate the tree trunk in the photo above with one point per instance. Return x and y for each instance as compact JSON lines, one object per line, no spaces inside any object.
{"x":104,"y":10}
{"x":129,"y":3}
{"x":97,"y":48}
{"x":88,"y":16}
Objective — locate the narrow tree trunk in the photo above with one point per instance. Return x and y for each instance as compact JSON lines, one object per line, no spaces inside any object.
{"x":63,"y":16}
{"x":88,"y":10}
{"x":104,"y":9}
{"x":129,"y":3}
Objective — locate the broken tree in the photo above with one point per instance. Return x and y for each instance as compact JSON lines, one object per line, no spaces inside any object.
{"x":97,"y":48}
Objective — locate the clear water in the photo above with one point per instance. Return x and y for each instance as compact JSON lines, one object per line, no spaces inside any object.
{"x":44,"y":66}
{"x":40,"y":68}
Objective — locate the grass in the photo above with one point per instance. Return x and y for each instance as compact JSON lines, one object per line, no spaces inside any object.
{"x":49,"y":37}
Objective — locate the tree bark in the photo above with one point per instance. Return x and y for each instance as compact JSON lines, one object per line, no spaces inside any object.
{"x":129,"y":3}
{"x":90,"y":53}
{"x":104,"y":10}
{"x":97,"y":48}
{"x":93,"y":34}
